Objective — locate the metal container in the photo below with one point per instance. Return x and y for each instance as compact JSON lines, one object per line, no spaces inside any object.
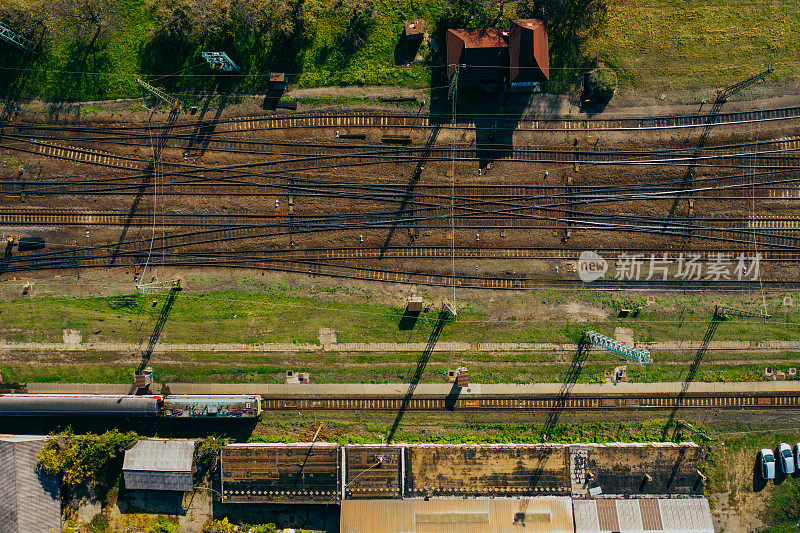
{"x":78,"y":405}
{"x":212,"y":406}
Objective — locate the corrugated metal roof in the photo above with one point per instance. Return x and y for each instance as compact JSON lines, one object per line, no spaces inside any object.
{"x":29,"y":498}
{"x":439,"y":515}
{"x":677,"y":515}
{"x":78,"y":404}
{"x":177,"y":481}
{"x":160,"y":455}
{"x":268,"y":472}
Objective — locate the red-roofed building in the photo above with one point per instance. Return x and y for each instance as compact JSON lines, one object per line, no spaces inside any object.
{"x":529,"y":61}
{"x":482,"y":53}
{"x":488,"y":56}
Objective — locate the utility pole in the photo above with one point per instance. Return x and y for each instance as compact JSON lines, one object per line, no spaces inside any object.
{"x":172,"y":102}
{"x":220,"y":61}
{"x":14,"y":39}
{"x":452,"y":94}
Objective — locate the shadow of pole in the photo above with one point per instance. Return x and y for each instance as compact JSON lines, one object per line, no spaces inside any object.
{"x":422,"y":362}
{"x":553,"y":416}
{"x":716,"y":319}
{"x":570,"y":379}
{"x":149,"y":174}
{"x":203,"y":131}
{"x":162,"y":320}
{"x":412,"y":184}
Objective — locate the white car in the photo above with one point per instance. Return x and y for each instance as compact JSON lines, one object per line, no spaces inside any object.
{"x":797,"y":456}
{"x":786,"y":458}
{"x":767,"y":461}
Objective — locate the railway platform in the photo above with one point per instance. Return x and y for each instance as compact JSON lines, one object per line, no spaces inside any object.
{"x":426,"y":389}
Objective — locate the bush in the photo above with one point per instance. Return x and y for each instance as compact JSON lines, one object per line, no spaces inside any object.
{"x":602,"y":84}
{"x":86,"y":458}
{"x":225,"y":526}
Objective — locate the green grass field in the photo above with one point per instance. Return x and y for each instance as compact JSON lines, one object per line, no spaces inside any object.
{"x":654,"y":44}
{"x":281,"y":312}
{"x":395,"y":369}
{"x":677,"y":44}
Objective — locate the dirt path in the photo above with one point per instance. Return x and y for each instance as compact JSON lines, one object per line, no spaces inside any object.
{"x":379,"y":347}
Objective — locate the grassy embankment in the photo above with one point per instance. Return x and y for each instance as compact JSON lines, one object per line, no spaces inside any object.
{"x":667,"y":44}
{"x":278,"y":312}
{"x":654,"y":44}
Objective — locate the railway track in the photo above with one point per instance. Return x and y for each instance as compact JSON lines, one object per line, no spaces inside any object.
{"x":719,"y":157}
{"x":539,"y":403}
{"x":70,"y":261}
{"x":80,"y":217}
{"x":374,"y":119}
{"x":383,"y":120}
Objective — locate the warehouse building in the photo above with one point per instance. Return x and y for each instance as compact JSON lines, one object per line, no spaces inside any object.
{"x":280,"y":473}
{"x":676,"y":515}
{"x":29,"y":497}
{"x":326,"y":472}
{"x":481,"y":56}
{"x":160,"y":464}
{"x":549,"y":514}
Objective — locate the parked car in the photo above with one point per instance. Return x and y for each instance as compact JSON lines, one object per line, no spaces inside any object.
{"x":767,"y":461}
{"x":785,"y":458}
{"x":796,"y":456}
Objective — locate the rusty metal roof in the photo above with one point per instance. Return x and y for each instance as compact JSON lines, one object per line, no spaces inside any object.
{"x":29,"y":498}
{"x":528,"y":52}
{"x":676,"y":515}
{"x":481,"y":38}
{"x":414,"y":27}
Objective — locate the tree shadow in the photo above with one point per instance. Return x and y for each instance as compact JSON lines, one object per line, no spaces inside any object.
{"x":163,"y":55}
{"x":82,"y":75}
{"x":405,"y":51}
{"x":569,"y":25}
{"x":18,"y":74}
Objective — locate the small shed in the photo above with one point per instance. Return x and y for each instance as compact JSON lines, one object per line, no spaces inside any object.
{"x":160,"y":464}
{"x":277,"y":81}
{"x":414,"y":305}
{"x":414,"y":29}
{"x":29,"y":497}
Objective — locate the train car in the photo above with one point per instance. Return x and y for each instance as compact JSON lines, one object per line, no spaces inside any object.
{"x":211,"y":406}
{"x":79,"y":405}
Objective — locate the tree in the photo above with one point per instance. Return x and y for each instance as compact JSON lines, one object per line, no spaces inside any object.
{"x":602,"y":84}
{"x":85,"y":458}
{"x":25,"y":17}
{"x":567,"y":20}
{"x":87,"y":22}
{"x":360,"y":16}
